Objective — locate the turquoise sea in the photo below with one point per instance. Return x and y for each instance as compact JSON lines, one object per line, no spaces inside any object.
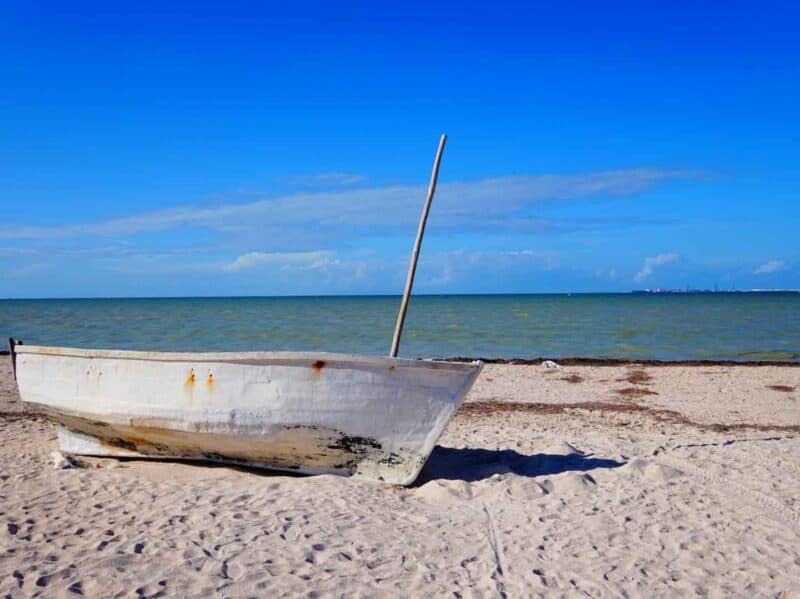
{"x":720,"y":326}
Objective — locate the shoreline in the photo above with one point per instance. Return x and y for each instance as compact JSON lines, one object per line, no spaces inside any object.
{"x":578,"y":361}
{"x":620,"y":362}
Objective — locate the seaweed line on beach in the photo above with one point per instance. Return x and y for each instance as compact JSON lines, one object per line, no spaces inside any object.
{"x":635,"y":392}
{"x":487,"y":408}
{"x":620,"y":362}
{"x":21,"y":415}
{"x":782,"y":388}
{"x":636,"y":377}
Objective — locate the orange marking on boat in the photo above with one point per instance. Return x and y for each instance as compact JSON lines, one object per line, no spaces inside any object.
{"x":190,"y":380}
{"x":318,"y":366}
{"x":210,"y":380}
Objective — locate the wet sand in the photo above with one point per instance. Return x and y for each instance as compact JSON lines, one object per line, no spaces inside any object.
{"x":582,"y":480}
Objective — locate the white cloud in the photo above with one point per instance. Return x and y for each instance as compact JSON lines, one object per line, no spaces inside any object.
{"x":285,"y":260}
{"x":602,"y":273}
{"x":650,"y":264}
{"x":445,"y":268}
{"x":496,"y":203}
{"x":25,"y":270}
{"x":770,"y":267}
{"x":330,"y":179}
{"x":544,"y":260}
{"x":444,"y":277}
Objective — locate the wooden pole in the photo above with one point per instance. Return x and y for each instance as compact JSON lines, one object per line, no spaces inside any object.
{"x":412,"y":268}
{"x":12,"y":351}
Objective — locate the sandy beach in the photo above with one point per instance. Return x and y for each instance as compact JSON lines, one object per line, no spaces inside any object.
{"x":576,"y":481}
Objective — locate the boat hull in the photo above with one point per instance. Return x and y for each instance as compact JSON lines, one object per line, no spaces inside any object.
{"x":366,"y":416}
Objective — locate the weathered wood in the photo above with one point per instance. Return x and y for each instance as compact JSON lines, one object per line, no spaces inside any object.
{"x":302,"y":412}
{"x":13,"y":353}
{"x":412,"y":268}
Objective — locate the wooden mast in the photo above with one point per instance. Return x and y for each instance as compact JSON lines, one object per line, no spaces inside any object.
{"x":401,"y":316}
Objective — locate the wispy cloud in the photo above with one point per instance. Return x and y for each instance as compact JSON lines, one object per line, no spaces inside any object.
{"x":602,"y":273}
{"x":309,"y":260}
{"x":326,"y":179}
{"x":443,"y":268}
{"x":770,"y":267}
{"x":650,"y":264}
{"x":444,"y":277}
{"x":24,"y":270}
{"x":493,"y":204}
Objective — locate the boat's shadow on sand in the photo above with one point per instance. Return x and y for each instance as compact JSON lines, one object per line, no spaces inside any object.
{"x":445,"y":463}
{"x":471,"y":464}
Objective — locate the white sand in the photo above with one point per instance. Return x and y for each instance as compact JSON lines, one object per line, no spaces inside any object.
{"x":537,"y":499}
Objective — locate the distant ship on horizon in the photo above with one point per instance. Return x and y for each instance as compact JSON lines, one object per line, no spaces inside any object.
{"x":658,"y":290}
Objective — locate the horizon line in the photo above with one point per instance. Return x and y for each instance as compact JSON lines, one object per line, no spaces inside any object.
{"x":399,"y":295}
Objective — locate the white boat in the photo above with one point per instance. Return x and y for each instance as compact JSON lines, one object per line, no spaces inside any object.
{"x":367,"y":416}
{"x":313,"y":413}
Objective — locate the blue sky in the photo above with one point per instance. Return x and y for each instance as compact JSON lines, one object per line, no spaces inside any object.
{"x":248,"y":148}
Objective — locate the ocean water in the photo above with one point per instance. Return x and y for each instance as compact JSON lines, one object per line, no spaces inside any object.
{"x":723,"y":326}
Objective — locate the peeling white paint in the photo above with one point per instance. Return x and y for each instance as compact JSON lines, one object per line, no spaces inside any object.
{"x":367,"y":416}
